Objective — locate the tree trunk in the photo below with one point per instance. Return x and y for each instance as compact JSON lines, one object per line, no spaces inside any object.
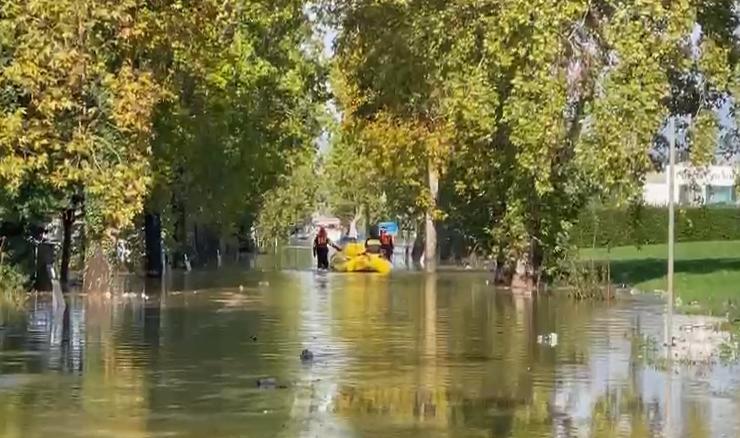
{"x":68,"y":219}
{"x":83,"y":232}
{"x":196,"y":238}
{"x":44,"y":259}
{"x":221,"y":251}
{"x":181,"y":231}
{"x":98,"y":272}
{"x":352,"y":231}
{"x":522,"y":282}
{"x":525,"y":277}
{"x":153,"y":237}
{"x":407,"y":249}
{"x":366,"y":215}
{"x":417,"y":249}
{"x":503,"y":270}
{"x":430,"y":248}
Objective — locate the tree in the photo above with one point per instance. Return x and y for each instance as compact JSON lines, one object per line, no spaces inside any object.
{"x":253,"y":101}
{"x":76,"y":105}
{"x":353,"y":188}
{"x":547,"y":104}
{"x":292,"y":201}
{"x":76,"y":111}
{"x":395,"y":90}
{"x":105,"y":104}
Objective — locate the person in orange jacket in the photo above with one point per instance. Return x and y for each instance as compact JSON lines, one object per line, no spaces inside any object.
{"x":321,"y":246}
{"x":386,"y":244}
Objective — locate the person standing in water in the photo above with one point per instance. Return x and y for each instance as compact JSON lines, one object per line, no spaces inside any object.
{"x":321,"y":246}
{"x":386,"y":244}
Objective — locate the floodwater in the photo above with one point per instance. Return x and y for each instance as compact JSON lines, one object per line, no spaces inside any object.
{"x":402,"y":356}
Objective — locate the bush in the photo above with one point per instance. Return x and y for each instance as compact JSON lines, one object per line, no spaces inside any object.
{"x":649,"y":225}
{"x":12,"y":285}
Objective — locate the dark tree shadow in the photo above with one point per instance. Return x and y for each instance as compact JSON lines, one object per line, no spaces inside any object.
{"x":638,"y":271}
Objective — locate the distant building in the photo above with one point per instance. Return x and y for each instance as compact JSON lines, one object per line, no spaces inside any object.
{"x":714,"y":185}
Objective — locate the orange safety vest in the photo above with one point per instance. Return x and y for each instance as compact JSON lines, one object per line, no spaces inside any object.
{"x":321,"y":242}
{"x":386,"y":240}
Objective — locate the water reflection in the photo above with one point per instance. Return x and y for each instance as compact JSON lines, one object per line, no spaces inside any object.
{"x":406,"y":355}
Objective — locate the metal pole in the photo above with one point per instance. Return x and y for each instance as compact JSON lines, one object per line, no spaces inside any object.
{"x":671,"y":237}
{"x":671,"y":226}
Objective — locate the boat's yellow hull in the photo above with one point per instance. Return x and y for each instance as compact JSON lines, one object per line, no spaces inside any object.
{"x":353,"y":259}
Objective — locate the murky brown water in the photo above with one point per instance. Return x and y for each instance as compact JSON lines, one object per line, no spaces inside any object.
{"x":405,"y":356}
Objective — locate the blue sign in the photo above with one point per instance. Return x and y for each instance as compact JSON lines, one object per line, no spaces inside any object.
{"x":389,"y":227}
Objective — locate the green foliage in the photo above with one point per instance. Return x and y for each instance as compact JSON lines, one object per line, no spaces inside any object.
{"x":352,"y":184}
{"x":525,"y":111}
{"x":76,"y":103}
{"x":198,"y":110}
{"x":12,"y":285}
{"x":586,"y":281}
{"x":194,"y":109}
{"x":703,"y":136}
{"x":12,"y":281}
{"x":292,"y":201}
{"x":649,"y":225}
{"x":249,"y":98}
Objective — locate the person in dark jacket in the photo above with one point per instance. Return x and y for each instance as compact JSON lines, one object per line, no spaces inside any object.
{"x":321,"y":246}
{"x":386,"y":244}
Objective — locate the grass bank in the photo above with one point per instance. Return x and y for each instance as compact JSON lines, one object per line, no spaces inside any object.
{"x":707,"y":276}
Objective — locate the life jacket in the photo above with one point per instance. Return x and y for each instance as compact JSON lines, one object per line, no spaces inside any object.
{"x":322,"y":241}
{"x":386,"y":240}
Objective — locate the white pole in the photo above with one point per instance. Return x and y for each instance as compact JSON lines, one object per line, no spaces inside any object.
{"x":671,"y":226}
{"x":671,"y":238}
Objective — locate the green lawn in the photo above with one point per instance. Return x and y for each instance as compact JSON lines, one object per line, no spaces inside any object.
{"x":707,"y":273}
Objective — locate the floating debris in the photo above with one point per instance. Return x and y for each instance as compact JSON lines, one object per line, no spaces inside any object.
{"x":549,"y":340}
{"x":306,"y":356}
{"x":270,"y":383}
{"x":267,"y":382}
{"x":264,"y":283}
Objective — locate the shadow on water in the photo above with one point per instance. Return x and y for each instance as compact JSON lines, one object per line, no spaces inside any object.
{"x":405,"y":355}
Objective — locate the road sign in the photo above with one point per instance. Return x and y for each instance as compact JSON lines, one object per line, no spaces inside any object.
{"x":389,"y":227}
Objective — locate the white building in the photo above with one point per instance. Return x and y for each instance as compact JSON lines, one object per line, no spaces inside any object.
{"x":711,"y":186}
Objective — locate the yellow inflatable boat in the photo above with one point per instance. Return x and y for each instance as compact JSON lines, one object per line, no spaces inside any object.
{"x":353,"y":259}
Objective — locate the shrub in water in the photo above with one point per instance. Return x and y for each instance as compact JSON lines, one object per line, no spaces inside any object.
{"x":12,"y":285}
